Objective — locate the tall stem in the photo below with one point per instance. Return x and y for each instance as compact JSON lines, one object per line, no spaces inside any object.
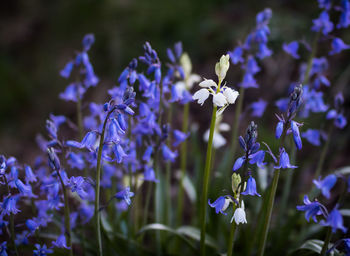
{"x":183,"y":163}
{"x":231,"y":239}
{"x":68,"y":230}
{"x":167,"y":209}
{"x":326,"y":241}
{"x":323,"y":153}
{"x":98,"y":180}
{"x":206,"y":182}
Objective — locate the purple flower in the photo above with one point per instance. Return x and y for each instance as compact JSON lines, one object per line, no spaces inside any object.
{"x":236,"y":55}
{"x":3,"y":249}
{"x":220,"y":204}
{"x":326,"y":184}
{"x":344,"y":20}
{"x":296,"y":134}
{"x":258,"y":108}
{"x":284,"y":161}
{"x":292,"y":49}
{"x":8,"y":206}
{"x":60,"y":242}
{"x":338,"y":45}
{"x":67,"y":70}
{"x":334,"y":220}
{"x":72,"y":91}
{"x":75,"y":160}
{"x":323,"y":23}
{"x":88,"y":40}
{"x":76,"y":184}
{"x":30,"y":177}
{"x":179,"y":137}
{"x":119,"y":153}
{"x":311,"y":209}
{"x":238,"y":164}
{"x":125,"y":195}
{"x":25,"y":190}
{"x":147,"y":155}
{"x":149,"y":174}
{"x":279,"y":129}
{"x":258,"y":158}
{"x":32,"y":225}
{"x":313,"y":136}
{"x":251,"y":188}
{"x":168,"y":155}
{"x":41,"y":251}
{"x":263,"y":51}
{"x":54,"y":161}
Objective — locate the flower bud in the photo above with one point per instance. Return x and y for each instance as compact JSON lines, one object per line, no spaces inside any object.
{"x":236,"y":180}
{"x":222,"y":66}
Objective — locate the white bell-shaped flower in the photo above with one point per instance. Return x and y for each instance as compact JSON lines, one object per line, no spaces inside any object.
{"x":239,"y":216}
{"x":219,"y":99}
{"x":201,"y":96}
{"x":207,"y":83}
{"x":231,"y":95}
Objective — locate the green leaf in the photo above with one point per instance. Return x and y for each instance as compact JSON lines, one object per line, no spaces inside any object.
{"x":195,"y":234}
{"x":344,"y":170}
{"x":189,"y":188}
{"x":345,"y":212}
{"x":314,"y":245}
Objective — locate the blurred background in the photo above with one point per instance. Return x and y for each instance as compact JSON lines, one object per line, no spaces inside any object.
{"x":38,"y":37}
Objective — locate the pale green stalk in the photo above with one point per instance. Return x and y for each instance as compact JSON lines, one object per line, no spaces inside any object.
{"x":203,"y":207}
{"x":326,"y":241}
{"x":167,"y":209}
{"x":183,"y":163}
{"x":98,"y":181}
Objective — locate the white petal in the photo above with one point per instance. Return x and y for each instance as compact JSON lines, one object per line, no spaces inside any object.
{"x":180,"y":87}
{"x":227,"y":203}
{"x":224,"y":127}
{"x":206,"y":136}
{"x":208,"y":83}
{"x":201,"y":96}
{"x":219,"y":99}
{"x":231,"y":95}
{"x":218,"y":140}
{"x":239,"y":216}
{"x":194,"y":78}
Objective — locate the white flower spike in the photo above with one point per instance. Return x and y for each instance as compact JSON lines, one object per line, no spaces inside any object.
{"x":201,"y":96}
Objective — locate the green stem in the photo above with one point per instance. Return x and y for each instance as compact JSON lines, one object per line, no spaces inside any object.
{"x":312,"y":56}
{"x":147,"y":204}
{"x":167,"y":209}
{"x":326,"y":241}
{"x":231,"y":240}
{"x":68,"y":230}
{"x":183,"y":163}
{"x":206,"y":182}
{"x":323,"y":153}
{"x":98,"y":180}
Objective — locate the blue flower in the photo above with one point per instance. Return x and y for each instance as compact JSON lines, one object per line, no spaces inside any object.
{"x":296,"y":134}
{"x":326,"y":184}
{"x":72,"y":91}
{"x":119,"y":153}
{"x":323,"y":23}
{"x":220,"y":204}
{"x":311,"y":209}
{"x":88,"y":40}
{"x":76,"y":184}
{"x":60,"y":242}
{"x":3,"y":249}
{"x":125,"y":195}
{"x":313,"y":136}
{"x":279,"y":129}
{"x":236,"y":55}
{"x":54,"y":161}
{"x":67,"y":70}
{"x":76,"y":160}
{"x":338,"y":45}
{"x":41,"y":251}
{"x":8,"y":206}
{"x":344,"y":20}
{"x":326,"y":4}
{"x":238,"y":164}
{"x":32,"y":225}
{"x":292,"y":49}
{"x":284,"y":161}
{"x":257,"y":158}
{"x":30,"y":177}
{"x":248,"y":81}
{"x":147,"y":155}
{"x":263,"y":51}
{"x":168,"y":155}
{"x":179,"y":137}
{"x":251,"y":188}
{"x":334,"y":220}
{"x":25,"y":190}
{"x":149,"y":174}
{"x":258,"y":108}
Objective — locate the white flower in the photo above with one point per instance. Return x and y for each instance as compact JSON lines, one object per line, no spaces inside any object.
{"x":231,"y":95}
{"x":201,"y":96}
{"x":193,"y":78}
{"x":207,"y":83}
{"x":219,"y":100}
{"x":239,"y":215}
{"x":222,"y":66}
{"x":218,"y":139}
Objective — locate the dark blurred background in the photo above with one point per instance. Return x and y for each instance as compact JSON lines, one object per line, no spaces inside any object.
{"x":38,"y":37}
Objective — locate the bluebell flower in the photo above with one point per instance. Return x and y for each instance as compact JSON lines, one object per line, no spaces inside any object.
{"x":88,"y":40}
{"x":344,"y":19}
{"x":279,"y":129}
{"x":67,"y":70}
{"x":325,"y":4}
{"x":149,"y":174}
{"x":282,"y":104}
{"x":251,"y":188}
{"x":76,"y":184}
{"x":323,"y":23}
{"x":32,"y":225}
{"x":88,"y":142}
{"x":3,"y":248}
{"x":258,"y":108}
{"x":125,"y":195}
{"x":25,"y":190}
{"x":147,"y":155}
{"x":8,"y":206}
{"x":337,"y":113}
{"x":263,"y":51}
{"x":72,"y":91}
{"x":168,"y":155}
{"x":220,"y":204}
{"x":284,"y":161}
{"x":54,"y":161}
{"x":257,"y":158}
{"x":313,"y":102}
{"x":248,"y":81}
{"x":292,"y":49}
{"x":335,"y":221}
{"x":236,"y":55}
{"x":313,"y":136}
{"x":76,"y":160}
{"x":326,"y":184}
{"x":86,"y":212}
{"x":179,"y":137}
{"x":119,"y":152}
{"x":41,"y":250}
{"x":112,"y":131}
{"x":3,"y":165}
{"x":338,"y":45}
{"x":296,"y":134}
{"x":311,"y":209}
{"x":22,"y":238}
{"x":239,"y":162}
{"x":60,"y":242}
{"x":30,"y":176}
